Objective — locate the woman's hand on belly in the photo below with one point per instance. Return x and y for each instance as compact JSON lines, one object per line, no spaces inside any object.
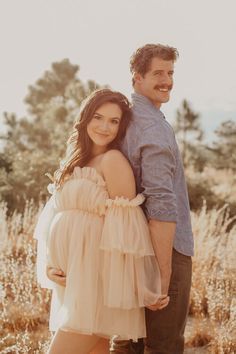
{"x":56,"y":275}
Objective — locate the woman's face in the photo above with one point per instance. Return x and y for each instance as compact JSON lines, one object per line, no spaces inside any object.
{"x":104,"y":125}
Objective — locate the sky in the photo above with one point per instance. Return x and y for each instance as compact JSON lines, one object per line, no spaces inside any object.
{"x":101,"y":35}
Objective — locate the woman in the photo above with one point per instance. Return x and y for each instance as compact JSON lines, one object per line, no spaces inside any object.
{"x":94,"y":231}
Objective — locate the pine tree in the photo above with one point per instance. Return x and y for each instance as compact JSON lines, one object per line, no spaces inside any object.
{"x":224,"y":147}
{"x":187,"y":126}
{"x":34,"y":145}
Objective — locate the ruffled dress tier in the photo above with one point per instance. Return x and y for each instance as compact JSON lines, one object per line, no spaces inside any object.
{"x":104,"y":248}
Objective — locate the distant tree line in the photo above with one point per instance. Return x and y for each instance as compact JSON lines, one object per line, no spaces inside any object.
{"x":221,"y":154}
{"x":190,"y":135}
{"x":34,"y":145}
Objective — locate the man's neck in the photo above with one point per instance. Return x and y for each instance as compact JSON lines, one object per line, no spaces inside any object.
{"x":158,"y":106}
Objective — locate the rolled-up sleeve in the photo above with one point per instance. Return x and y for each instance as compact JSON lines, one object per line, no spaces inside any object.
{"x":157,"y":169}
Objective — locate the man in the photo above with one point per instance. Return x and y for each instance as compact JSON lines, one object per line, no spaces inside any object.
{"x":152,"y":150}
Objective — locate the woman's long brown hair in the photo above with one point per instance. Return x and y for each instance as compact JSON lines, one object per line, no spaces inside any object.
{"x":79,"y":144}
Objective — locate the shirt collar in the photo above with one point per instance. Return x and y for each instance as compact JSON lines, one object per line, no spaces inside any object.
{"x":139,"y":99}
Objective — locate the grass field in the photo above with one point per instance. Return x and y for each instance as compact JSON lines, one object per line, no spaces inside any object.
{"x":24,"y":305}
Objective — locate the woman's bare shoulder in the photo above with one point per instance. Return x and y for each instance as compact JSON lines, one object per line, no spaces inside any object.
{"x":113,"y":158}
{"x":118,"y":174}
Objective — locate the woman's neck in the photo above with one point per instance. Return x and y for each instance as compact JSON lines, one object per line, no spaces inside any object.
{"x":98,"y":150}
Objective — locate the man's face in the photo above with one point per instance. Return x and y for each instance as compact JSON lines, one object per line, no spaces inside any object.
{"x":157,"y":83}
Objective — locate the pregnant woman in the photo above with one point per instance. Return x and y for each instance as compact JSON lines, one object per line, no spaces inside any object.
{"x":94,"y":231}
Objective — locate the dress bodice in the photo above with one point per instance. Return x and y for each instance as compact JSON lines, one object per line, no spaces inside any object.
{"x":84,"y":190}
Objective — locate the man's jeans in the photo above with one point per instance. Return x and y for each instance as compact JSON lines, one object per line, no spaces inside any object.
{"x":165,"y":328}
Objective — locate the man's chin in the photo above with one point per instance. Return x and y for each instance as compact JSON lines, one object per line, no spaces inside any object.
{"x":159,"y":101}
{"x":165,"y":99}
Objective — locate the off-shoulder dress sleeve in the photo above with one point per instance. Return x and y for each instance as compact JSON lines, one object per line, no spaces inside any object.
{"x":41,"y":233}
{"x":130,"y":273}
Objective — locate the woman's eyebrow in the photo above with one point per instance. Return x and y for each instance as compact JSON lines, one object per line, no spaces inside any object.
{"x":100,"y":115}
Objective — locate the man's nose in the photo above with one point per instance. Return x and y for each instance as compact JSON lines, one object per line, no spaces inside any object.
{"x":166,"y":79}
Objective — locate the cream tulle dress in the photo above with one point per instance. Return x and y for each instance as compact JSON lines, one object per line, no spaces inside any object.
{"x":104,"y":248}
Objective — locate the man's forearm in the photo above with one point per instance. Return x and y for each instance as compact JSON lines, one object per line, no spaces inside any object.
{"x":162,"y":235}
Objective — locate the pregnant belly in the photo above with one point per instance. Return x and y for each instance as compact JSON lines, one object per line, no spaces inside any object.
{"x":69,"y":233}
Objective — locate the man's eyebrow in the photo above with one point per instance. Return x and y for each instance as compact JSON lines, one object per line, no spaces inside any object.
{"x":161,"y":70}
{"x":158,"y":70}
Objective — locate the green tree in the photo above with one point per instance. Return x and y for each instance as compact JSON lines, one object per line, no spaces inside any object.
{"x":53,"y":84}
{"x":35,"y":144}
{"x":187,"y":126}
{"x":224,"y":148}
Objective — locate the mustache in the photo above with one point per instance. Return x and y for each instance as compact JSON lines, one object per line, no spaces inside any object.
{"x":169,"y":87}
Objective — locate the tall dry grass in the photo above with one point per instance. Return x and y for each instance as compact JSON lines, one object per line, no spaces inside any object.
{"x":24,"y":305}
{"x":213,"y":302}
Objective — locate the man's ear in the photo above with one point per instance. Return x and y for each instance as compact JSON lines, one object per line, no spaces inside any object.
{"x":137,"y":77}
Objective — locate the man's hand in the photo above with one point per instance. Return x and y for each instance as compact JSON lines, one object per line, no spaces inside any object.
{"x":161,"y":303}
{"x":56,"y":275}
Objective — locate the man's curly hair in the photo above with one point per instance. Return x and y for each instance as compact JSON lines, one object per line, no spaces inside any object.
{"x":141,"y":59}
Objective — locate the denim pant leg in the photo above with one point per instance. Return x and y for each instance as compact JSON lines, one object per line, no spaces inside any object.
{"x":165,"y":328}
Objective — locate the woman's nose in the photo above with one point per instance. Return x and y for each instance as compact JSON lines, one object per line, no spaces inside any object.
{"x":105,"y":126}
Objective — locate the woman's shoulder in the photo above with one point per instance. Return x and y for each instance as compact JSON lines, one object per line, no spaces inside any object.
{"x":118,"y":174}
{"x":114,"y":158}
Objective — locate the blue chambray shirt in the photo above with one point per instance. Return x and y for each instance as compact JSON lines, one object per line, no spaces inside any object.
{"x":152,"y":150}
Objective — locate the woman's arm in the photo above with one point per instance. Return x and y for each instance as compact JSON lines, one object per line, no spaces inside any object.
{"x":118,"y":175}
